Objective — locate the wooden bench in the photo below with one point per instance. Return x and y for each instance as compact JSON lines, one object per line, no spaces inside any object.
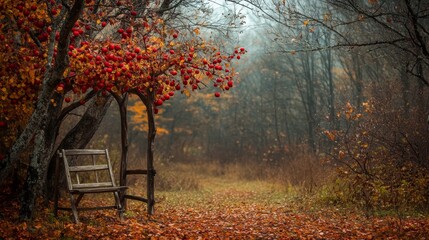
{"x":83,"y":178}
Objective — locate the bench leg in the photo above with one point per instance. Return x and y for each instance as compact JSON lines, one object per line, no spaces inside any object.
{"x":78,"y":199}
{"x":119,"y":206}
{"x":74,"y":209}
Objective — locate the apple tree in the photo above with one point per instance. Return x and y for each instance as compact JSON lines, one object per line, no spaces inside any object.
{"x":153,"y":62}
{"x":56,"y":56}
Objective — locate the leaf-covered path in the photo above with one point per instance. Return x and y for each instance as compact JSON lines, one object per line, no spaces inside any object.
{"x":221,"y":210}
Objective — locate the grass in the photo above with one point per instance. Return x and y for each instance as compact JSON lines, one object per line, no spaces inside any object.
{"x":233,"y":192}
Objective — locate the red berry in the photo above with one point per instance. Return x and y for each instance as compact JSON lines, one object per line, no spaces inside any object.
{"x":217,"y":94}
{"x":103,"y":24}
{"x":3,"y":124}
{"x":230,"y":83}
{"x":175,"y":35}
{"x":133,"y":13}
{"x":158,"y":102}
{"x":67,"y":99}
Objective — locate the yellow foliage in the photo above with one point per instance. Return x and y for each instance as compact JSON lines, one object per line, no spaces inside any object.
{"x":139,"y":118}
{"x":349,"y":110}
{"x":330,"y":135}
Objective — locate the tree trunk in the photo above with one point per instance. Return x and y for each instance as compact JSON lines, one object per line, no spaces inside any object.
{"x":33,"y":181}
{"x":122,"y":103}
{"x":39,"y":121}
{"x":38,"y":167}
{"x":80,"y":135}
{"x":150,"y":149}
{"x":148,"y":101}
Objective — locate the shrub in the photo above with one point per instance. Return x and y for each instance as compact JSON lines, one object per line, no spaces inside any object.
{"x":382,"y":155}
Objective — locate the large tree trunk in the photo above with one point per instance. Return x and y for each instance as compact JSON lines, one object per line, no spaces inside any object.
{"x":40,"y":120}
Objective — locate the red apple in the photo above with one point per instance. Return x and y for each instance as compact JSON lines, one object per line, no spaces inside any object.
{"x":158,"y":102}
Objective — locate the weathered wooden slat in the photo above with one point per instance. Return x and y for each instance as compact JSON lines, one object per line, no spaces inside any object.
{"x":67,"y":171}
{"x":142,"y":199}
{"x":88,"y":168}
{"x":70,"y":152}
{"x":96,"y":172}
{"x":92,"y":185}
{"x":112,"y":179}
{"x":98,"y":189}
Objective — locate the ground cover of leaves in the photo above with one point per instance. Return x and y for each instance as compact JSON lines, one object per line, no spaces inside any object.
{"x":222,"y":209}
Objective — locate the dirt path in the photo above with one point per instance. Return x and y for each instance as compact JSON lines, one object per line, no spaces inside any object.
{"x":222,"y":209}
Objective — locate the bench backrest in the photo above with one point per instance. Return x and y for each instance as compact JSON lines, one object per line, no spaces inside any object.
{"x":100,"y":167}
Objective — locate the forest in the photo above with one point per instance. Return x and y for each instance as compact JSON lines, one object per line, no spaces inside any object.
{"x":223,"y":119}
